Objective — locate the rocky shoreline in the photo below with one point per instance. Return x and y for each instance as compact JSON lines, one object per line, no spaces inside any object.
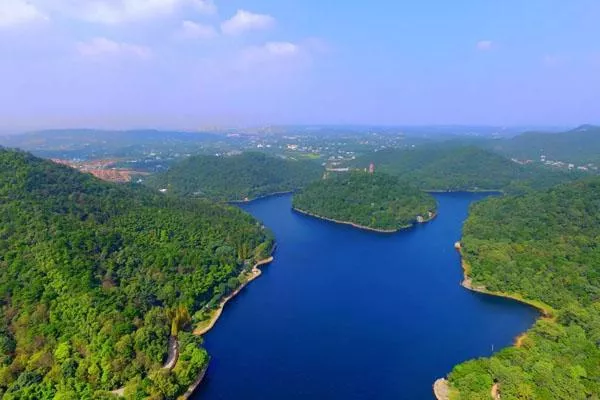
{"x":250,"y":200}
{"x":255,"y":273}
{"x":367,"y":228}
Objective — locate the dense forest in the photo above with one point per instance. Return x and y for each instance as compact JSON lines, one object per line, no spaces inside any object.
{"x":377,"y":201}
{"x":95,"y":277}
{"x":545,"y":247}
{"x":451,"y":167}
{"x":235,"y":178}
{"x":580,"y":145}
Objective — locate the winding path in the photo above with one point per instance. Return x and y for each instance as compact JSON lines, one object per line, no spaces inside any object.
{"x":173,"y":354}
{"x":172,"y":358}
{"x":255,"y":273}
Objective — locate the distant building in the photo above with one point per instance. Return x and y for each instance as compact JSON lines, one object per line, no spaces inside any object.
{"x":338,"y":169}
{"x":372,"y":168}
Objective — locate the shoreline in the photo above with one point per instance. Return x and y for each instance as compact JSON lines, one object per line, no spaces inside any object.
{"x":545,"y":310}
{"x":255,"y":273}
{"x":366,"y":228}
{"x":250,"y":200}
{"x":441,"y":389}
{"x":440,"y":191}
{"x":467,"y":283}
{"x":190,"y":391}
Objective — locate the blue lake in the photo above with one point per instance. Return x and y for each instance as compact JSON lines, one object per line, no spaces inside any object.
{"x":348,"y":314}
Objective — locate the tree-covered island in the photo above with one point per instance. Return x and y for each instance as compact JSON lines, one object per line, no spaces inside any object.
{"x":375,"y":201}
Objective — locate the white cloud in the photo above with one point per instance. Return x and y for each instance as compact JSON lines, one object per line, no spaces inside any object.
{"x":485,"y":45}
{"x":100,"y":46}
{"x":244,"y":21}
{"x":272,"y":53}
{"x":17,"y":12}
{"x":121,"y":11}
{"x":285,"y":49}
{"x":194,"y":30}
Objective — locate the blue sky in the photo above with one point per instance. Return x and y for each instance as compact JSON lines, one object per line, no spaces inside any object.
{"x":196,"y":63}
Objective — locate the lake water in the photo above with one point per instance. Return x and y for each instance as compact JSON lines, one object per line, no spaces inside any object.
{"x":347,"y":314}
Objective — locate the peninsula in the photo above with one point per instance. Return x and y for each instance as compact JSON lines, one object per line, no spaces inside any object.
{"x":540,"y":249}
{"x":235,"y":178}
{"x":99,"y":279}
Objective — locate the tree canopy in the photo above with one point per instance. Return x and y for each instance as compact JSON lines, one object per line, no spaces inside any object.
{"x":545,"y":247}
{"x":452,"y":167}
{"x":580,"y":145}
{"x":234,"y":178}
{"x":377,"y":201}
{"x":94,"y":277}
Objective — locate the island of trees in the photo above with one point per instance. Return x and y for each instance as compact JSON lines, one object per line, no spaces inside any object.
{"x":95,"y":278}
{"x":236,"y":178}
{"x":375,"y":201}
{"x":543,"y":247}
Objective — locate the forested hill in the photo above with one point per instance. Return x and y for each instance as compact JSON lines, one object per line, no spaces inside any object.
{"x":94,"y":277}
{"x":448,"y":167}
{"x":580,"y":145}
{"x":236,"y":178}
{"x":545,"y":247}
{"x":376,"y":201}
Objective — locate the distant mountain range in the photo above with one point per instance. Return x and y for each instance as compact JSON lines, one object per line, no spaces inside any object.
{"x":580,"y":145}
{"x":454,"y":167}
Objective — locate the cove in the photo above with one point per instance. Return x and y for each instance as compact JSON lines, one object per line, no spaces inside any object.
{"x":348,"y":314}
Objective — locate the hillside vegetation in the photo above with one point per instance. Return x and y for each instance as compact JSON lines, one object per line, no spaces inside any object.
{"x":236,"y":178}
{"x":545,"y":247}
{"x":580,"y":145}
{"x":94,"y":277}
{"x":377,"y":201}
{"x":448,"y":167}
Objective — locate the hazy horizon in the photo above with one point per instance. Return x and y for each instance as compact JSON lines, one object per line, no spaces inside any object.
{"x":223,"y":129}
{"x":188,"y":64}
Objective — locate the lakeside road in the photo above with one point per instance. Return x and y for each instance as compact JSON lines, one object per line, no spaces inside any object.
{"x":173,"y":354}
{"x":206,"y":326}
